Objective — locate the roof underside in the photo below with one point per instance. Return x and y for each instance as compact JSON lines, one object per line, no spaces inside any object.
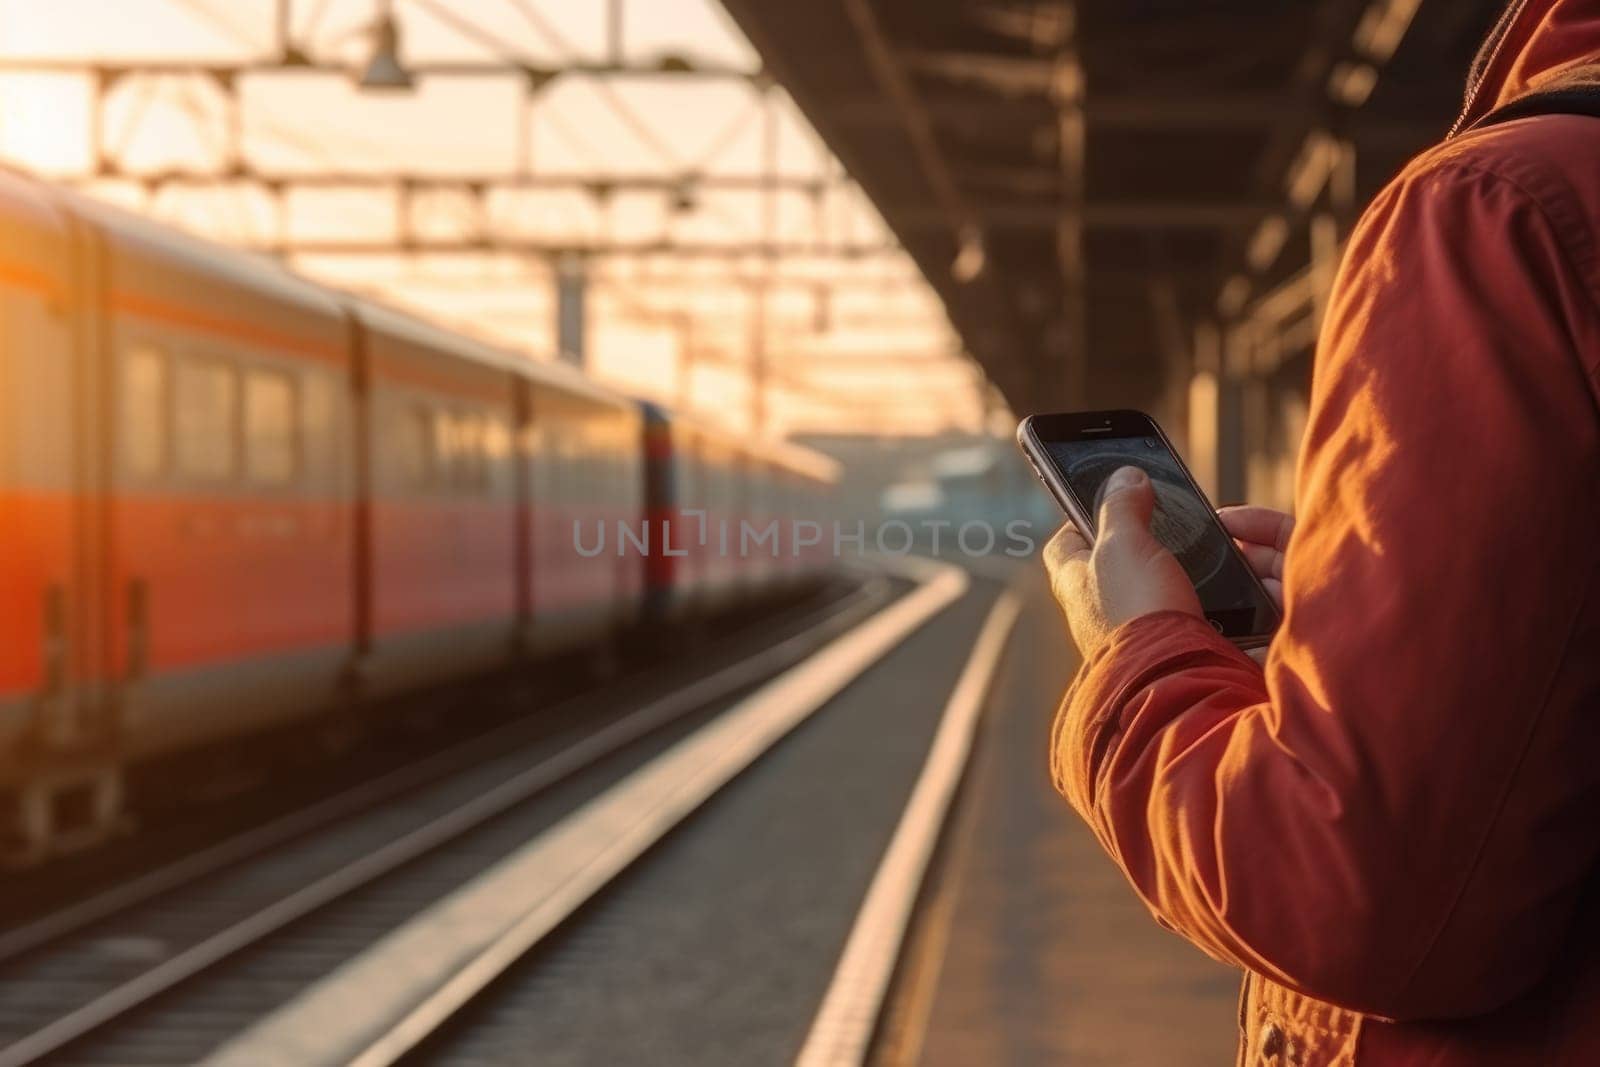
{"x":1108,"y":219}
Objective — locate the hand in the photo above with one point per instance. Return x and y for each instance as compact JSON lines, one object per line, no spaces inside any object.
{"x":1262,"y":534}
{"x":1125,"y":575}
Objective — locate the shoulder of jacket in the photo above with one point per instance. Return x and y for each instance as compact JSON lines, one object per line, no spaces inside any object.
{"x":1549,"y":161}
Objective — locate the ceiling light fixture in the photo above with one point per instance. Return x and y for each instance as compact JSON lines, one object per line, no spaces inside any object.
{"x":385,"y":72}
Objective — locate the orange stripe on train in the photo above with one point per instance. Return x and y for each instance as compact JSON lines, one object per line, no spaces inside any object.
{"x":191,"y":318}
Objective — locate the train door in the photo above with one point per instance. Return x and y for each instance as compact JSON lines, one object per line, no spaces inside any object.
{"x":522,"y":499}
{"x":57,"y":734}
{"x":692,"y":496}
{"x":92,"y":707}
{"x":628,"y":506}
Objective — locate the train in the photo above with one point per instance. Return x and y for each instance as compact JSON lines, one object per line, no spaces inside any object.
{"x":234,"y":500}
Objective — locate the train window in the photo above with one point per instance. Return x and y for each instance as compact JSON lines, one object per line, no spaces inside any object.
{"x":553,"y":455}
{"x":497,"y":445}
{"x":271,"y":449}
{"x":415,"y":442}
{"x":144,"y":412}
{"x":571,"y":469}
{"x":469,"y":467}
{"x":319,"y":421}
{"x":446,"y":448}
{"x":207,"y":411}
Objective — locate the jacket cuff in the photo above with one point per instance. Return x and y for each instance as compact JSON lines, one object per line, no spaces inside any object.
{"x":1097,"y":705}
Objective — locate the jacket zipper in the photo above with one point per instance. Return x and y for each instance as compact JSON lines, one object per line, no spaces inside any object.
{"x":1244,"y":1028}
{"x":1476,"y":88}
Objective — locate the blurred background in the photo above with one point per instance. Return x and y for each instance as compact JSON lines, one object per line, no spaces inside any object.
{"x":1094,"y":205}
{"x":322,"y":741}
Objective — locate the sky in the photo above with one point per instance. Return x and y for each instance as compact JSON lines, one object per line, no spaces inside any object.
{"x":857,"y":343}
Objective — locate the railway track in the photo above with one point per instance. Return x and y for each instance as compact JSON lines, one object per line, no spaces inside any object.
{"x":82,"y":975}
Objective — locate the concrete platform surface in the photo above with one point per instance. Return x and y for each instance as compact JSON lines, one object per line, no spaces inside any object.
{"x":1031,"y":948}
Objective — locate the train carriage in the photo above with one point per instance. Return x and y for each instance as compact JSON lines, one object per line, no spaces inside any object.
{"x":706,"y":491}
{"x":175,"y":495}
{"x":671,"y":573}
{"x":724,"y":473}
{"x":437,"y":591}
{"x":48,"y":674}
{"x":586,"y":491}
{"x":233,"y":499}
{"x":809,"y":478}
{"x":691,"y":499}
{"x":229,"y":545}
{"x":800,"y":482}
{"x":761,"y":534}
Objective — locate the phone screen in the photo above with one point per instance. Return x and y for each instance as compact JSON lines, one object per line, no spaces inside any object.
{"x":1232,"y":599}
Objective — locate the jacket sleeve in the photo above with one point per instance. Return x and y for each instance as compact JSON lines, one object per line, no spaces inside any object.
{"x":1398,"y":812}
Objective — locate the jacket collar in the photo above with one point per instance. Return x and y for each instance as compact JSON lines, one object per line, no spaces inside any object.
{"x":1537,"y":44}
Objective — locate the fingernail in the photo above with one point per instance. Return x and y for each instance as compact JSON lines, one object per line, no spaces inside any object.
{"x":1125,"y":478}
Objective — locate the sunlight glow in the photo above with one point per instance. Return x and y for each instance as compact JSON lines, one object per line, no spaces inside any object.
{"x":619,"y":162}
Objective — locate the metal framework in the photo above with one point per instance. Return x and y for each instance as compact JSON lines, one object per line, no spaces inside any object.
{"x":1310,"y":166}
{"x":1088,"y":185}
{"x":424,"y":213}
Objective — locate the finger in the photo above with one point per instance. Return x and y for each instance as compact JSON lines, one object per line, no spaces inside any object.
{"x":1127,"y":503}
{"x":1274,"y":589}
{"x":1266,"y":562}
{"x":1261,"y":526}
{"x":1064,"y":546}
{"x":1066,"y":557}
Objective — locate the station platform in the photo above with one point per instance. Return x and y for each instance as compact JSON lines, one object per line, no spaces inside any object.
{"x":1029,"y":946}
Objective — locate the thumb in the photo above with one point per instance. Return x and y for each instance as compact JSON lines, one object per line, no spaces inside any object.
{"x":1127,"y":503}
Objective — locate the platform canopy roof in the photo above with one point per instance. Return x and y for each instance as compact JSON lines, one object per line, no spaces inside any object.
{"x":1085,"y":183}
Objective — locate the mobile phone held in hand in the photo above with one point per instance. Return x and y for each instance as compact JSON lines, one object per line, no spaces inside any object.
{"x":1074,"y":454}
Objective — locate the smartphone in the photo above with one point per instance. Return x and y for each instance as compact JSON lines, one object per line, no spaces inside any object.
{"x":1075,"y":454}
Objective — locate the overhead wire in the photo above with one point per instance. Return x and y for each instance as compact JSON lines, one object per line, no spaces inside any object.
{"x":605,"y":90}
{"x":543,"y":28}
{"x":730,"y":133}
{"x":189,"y":102}
{"x":147,"y":90}
{"x":222,"y":22}
{"x":566,"y":53}
{"x":313,"y":22}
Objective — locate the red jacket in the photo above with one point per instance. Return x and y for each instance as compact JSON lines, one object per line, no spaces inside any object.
{"x":1394,"y":826}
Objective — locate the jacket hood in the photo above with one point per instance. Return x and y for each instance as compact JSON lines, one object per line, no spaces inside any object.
{"x":1536,"y":45}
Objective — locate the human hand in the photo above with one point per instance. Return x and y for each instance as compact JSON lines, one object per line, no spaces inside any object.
{"x":1128,"y":573}
{"x":1262,"y":534}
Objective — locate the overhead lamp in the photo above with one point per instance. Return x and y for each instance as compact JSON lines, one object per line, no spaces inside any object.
{"x":675,"y":63}
{"x":538,"y":78}
{"x":971,"y":256}
{"x":1234,"y":296}
{"x":1267,"y":242}
{"x":1352,"y":83}
{"x":384,"y":71}
{"x":684,"y":198}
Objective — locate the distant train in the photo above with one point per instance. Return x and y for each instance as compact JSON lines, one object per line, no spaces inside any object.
{"x":231,"y":499}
